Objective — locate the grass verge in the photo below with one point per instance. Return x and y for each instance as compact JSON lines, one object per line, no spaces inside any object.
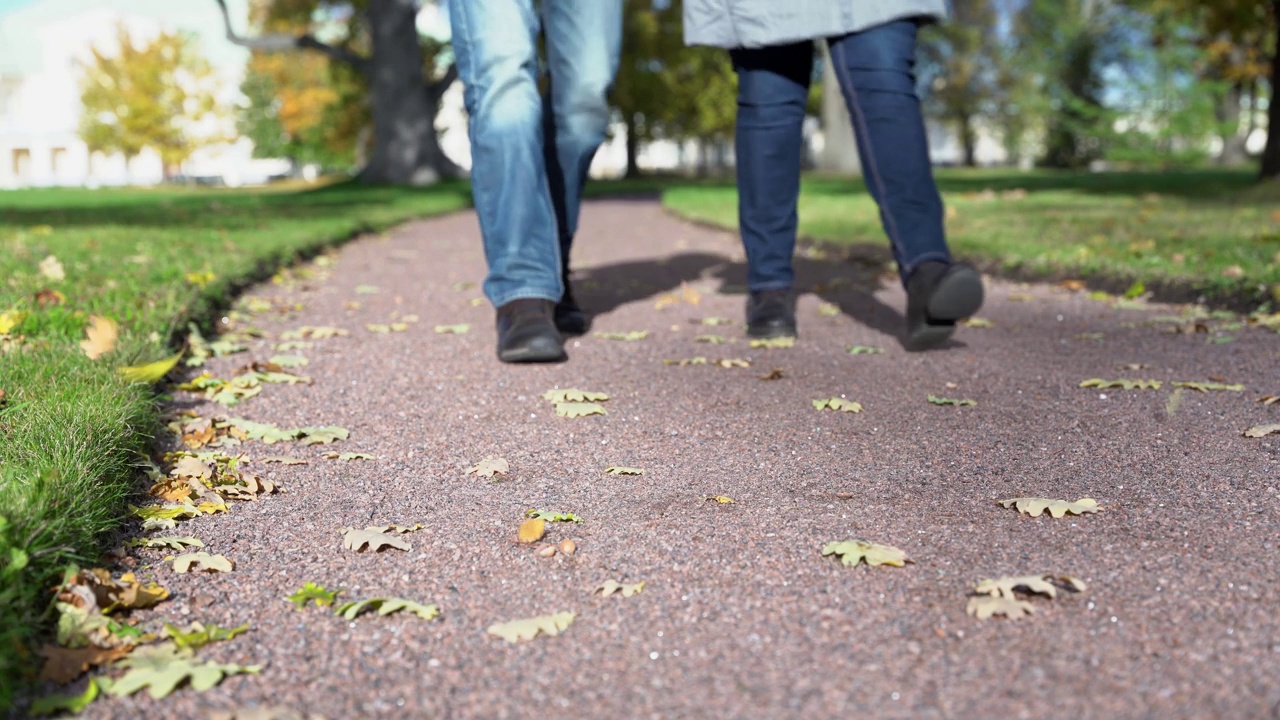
{"x":1184,"y":235}
{"x":70,"y":429}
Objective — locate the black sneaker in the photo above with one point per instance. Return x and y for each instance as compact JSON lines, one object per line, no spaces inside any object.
{"x":527,"y":334}
{"x":771,"y":314}
{"x":939,"y":294}
{"x":569,"y":316}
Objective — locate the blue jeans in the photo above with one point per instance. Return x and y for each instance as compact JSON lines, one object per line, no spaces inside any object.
{"x":875,"y":70}
{"x":529,"y":162}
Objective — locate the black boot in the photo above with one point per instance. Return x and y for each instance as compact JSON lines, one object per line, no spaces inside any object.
{"x":570,"y":318}
{"x":527,"y":334}
{"x":771,"y":313}
{"x":939,"y":294}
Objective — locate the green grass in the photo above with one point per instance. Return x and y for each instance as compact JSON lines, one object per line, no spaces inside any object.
{"x":1185,"y":234}
{"x":71,"y":432}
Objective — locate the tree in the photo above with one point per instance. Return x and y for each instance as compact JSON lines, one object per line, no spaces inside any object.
{"x":642,"y":92}
{"x":302,"y":107}
{"x":961,"y":63}
{"x":1270,"y":167}
{"x":152,"y":96}
{"x":379,"y":41}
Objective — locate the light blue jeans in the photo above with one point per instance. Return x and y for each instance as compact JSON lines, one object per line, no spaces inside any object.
{"x":529,"y":162}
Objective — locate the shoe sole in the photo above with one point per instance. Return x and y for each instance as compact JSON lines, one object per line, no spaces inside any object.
{"x":534,"y":353}
{"x":958,"y":296}
{"x":771,"y":331}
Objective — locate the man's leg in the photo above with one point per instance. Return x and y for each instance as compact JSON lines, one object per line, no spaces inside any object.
{"x":583,"y":39}
{"x":773,"y":87}
{"x":876,"y":71}
{"x":494,"y":42}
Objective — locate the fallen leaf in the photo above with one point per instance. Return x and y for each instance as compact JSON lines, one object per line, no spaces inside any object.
{"x":386,"y":606}
{"x":632,"y":336}
{"x":852,"y":552}
{"x":609,"y":587}
{"x":200,"y":279}
{"x":74,"y":704}
{"x":1122,"y":383}
{"x":51,"y":268}
{"x":950,"y":401}
{"x":572,"y":395}
{"x":1258,"y":431}
{"x":1007,"y":586}
{"x":366,"y":289}
{"x":985,"y":606}
{"x":620,"y":470}
{"x":374,"y":537}
{"x":311,"y":592}
{"x":1095,"y":336}
{"x":1207,"y":387}
{"x":9,"y":320}
{"x":348,"y":456}
{"x":161,"y":668}
{"x":100,"y":337}
{"x":489,"y":467}
{"x":312,"y":332}
{"x":774,"y":374}
{"x":62,"y":665}
{"x":198,"y":634}
{"x":839,"y":404}
{"x":151,"y":372}
{"x":49,"y":296}
{"x":977,"y":322}
{"x":864,"y":350}
{"x":320,"y":435}
{"x":459,"y":329}
{"x":828,"y":310}
{"x":1035,"y":507}
{"x":686,"y":362}
{"x":1269,"y":399}
{"x":732,"y":363}
{"x":722,"y":499}
{"x":1021,"y":297}
{"x":283,"y":460}
{"x":531,"y":531}
{"x":711,"y":339}
{"x":579,"y":409}
{"x":773,"y":343}
{"x":192,"y":467}
{"x":529,"y":628}
{"x":201,"y":561}
{"x":553,"y":516}
{"x":716,"y":321}
{"x":172,"y":542}
{"x":288,"y":361}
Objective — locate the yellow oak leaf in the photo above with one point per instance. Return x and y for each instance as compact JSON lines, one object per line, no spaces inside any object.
{"x":100,"y":337}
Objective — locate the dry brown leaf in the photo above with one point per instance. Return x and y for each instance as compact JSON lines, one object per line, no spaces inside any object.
{"x":985,"y":606}
{"x":1035,"y":507}
{"x":374,"y":537}
{"x":201,"y":561}
{"x":1269,"y":399}
{"x":531,"y":531}
{"x":609,"y":587}
{"x":62,"y":665}
{"x":489,"y":467}
{"x":1258,"y":431}
{"x":192,"y":467}
{"x":774,"y":374}
{"x":1043,"y":584}
{"x":100,"y":337}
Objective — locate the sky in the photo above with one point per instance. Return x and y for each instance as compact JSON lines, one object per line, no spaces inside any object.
{"x":7,"y":5}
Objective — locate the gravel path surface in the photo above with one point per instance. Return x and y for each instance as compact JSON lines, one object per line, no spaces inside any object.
{"x":741,"y":616}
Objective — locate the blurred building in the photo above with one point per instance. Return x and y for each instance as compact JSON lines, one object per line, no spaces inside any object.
{"x":43,"y":44}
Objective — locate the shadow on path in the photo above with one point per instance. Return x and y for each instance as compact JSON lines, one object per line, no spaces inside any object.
{"x":848,"y":283}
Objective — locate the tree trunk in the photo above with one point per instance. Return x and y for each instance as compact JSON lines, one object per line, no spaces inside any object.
{"x":406,"y":146}
{"x":968,"y":139}
{"x":633,"y":147}
{"x":1227,"y":113}
{"x":1271,"y":154}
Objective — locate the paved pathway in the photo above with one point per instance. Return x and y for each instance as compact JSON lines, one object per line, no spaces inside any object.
{"x":740,"y":615}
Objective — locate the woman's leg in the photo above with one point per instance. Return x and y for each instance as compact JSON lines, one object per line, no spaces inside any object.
{"x":876,"y":71}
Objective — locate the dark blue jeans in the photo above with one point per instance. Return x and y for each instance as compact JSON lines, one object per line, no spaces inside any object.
{"x":875,"y":70}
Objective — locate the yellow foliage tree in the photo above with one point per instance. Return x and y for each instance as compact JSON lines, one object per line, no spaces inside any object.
{"x":155,"y":95}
